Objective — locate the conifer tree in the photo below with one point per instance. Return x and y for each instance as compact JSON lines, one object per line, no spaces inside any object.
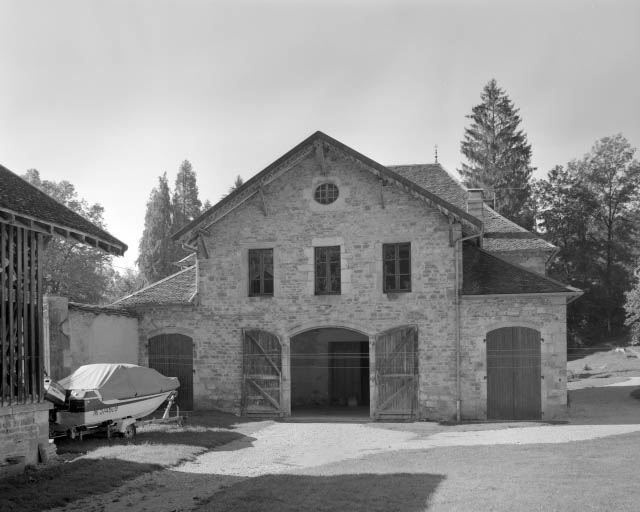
{"x":498,"y":155}
{"x":155,"y":250}
{"x":186,"y":205}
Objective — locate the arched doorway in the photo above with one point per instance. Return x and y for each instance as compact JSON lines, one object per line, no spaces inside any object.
{"x":513,"y":374}
{"x":172,"y":355}
{"x":330,"y":373}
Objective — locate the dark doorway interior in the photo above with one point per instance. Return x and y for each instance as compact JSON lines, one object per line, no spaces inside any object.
{"x":330,"y":373}
{"x":348,"y":373}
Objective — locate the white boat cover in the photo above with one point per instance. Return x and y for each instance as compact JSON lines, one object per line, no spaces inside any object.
{"x":119,"y":381}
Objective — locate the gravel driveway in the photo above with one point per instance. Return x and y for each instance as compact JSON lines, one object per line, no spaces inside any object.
{"x":295,"y":448}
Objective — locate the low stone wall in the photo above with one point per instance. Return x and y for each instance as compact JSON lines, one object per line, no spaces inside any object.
{"x":22,"y":429}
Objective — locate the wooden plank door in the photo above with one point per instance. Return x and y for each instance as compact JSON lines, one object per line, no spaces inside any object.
{"x":397,"y":373}
{"x":172,"y":355}
{"x":513,"y":374}
{"x":262,"y":374}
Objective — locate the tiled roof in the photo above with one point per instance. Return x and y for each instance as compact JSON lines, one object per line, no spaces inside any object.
{"x":436,"y":179}
{"x":501,"y":234}
{"x":178,"y":288}
{"x":107,"y":310}
{"x":27,"y":204}
{"x":488,"y":274}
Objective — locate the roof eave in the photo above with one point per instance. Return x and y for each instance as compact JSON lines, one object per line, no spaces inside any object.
{"x":54,"y":229}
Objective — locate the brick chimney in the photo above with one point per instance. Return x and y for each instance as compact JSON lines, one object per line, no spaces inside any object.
{"x":475,"y":202}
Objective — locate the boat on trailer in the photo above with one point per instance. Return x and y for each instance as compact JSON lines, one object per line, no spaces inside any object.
{"x":111,"y":395}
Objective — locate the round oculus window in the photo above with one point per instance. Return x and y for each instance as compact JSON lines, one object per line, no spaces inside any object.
{"x":326,"y":193}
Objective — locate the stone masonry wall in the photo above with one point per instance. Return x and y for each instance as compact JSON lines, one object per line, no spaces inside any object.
{"x":22,"y":428}
{"x":483,"y":314}
{"x":359,"y":223}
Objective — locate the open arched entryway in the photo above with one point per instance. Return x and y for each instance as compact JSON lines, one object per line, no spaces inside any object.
{"x":513,"y":374}
{"x":172,"y":355}
{"x":330,"y":373}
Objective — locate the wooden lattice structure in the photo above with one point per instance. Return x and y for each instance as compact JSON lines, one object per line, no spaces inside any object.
{"x":28,"y":217}
{"x":21,"y":361}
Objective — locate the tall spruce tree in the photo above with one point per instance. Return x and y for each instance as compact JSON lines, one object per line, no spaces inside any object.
{"x":156,"y":248}
{"x":186,"y":204}
{"x":498,"y":155}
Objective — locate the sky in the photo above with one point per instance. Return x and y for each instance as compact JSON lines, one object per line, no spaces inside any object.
{"x":110,"y":94}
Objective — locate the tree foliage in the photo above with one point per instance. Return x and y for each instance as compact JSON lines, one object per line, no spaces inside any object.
{"x":72,"y":269}
{"x":588,"y":211}
{"x":498,"y":155}
{"x":156,"y":248}
{"x":632,"y":306}
{"x":186,"y":205}
{"x":166,"y":214}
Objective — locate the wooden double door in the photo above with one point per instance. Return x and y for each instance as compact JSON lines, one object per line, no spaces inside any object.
{"x":514,"y":374}
{"x":395,"y":376}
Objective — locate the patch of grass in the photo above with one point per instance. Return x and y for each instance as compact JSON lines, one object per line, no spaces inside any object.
{"x":61,"y":484}
{"x":99,"y":464}
{"x":598,"y":364}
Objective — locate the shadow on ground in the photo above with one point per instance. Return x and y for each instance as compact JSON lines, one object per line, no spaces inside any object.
{"x":401,"y":492}
{"x":207,"y":439}
{"x":61,"y":484}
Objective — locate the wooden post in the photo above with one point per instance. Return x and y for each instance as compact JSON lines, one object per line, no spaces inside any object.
{"x":33,"y":312}
{"x":39,"y":324}
{"x":4,"y":301}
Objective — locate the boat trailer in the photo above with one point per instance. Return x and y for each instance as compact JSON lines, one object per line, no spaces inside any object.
{"x":125,"y":427}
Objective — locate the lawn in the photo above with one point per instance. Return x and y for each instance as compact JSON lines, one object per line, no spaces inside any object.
{"x":97,"y":465}
{"x":615,"y":364}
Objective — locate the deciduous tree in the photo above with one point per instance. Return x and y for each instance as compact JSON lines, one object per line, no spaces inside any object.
{"x":587,"y":210}
{"x":71,"y":269}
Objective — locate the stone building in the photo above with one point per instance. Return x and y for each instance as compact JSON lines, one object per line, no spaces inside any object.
{"x":330,"y":281}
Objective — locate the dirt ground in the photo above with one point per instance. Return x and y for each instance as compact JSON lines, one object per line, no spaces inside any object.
{"x":271,"y":448}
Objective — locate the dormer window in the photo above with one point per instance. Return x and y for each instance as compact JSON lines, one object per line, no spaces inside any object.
{"x":326,"y":193}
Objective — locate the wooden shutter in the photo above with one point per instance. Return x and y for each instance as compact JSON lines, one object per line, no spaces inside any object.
{"x":397,"y":373}
{"x":262,"y":374}
{"x":172,"y":355}
{"x":513,"y":374}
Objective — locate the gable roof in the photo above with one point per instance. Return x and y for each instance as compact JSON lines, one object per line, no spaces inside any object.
{"x":25,"y":205}
{"x":500,"y":234}
{"x":178,"y":288}
{"x":487,"y":274}
{"x":289,"y":159}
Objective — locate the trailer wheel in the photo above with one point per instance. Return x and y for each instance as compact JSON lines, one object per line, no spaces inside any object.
{"x":129,"y":431}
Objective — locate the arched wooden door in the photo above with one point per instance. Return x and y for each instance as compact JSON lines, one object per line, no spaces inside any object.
{"x":513,"y":374}
{"x":172,"y":355}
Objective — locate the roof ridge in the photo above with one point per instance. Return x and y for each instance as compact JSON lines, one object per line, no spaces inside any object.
{"x":153,"y":285}
{"x":374,"y":166}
